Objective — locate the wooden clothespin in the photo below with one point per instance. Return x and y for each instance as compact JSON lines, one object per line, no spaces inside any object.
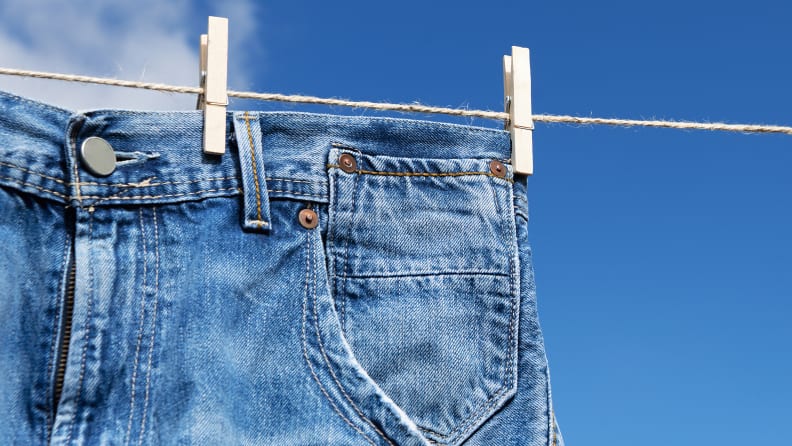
{"x":517,"y":101}
{"x":214,"y":77}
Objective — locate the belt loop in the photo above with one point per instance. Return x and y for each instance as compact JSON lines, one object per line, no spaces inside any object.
{"x":251,"y":161}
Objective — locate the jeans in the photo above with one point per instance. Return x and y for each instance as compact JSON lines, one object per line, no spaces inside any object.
{"x":330,"y":280}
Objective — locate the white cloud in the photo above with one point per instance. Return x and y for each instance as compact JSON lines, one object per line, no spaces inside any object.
{"x":144,"y":40}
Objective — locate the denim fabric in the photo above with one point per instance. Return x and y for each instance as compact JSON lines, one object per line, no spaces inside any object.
{"x":205,"y":313}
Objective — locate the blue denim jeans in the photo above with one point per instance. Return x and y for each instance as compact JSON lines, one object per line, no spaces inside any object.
{"x":185,"y":299}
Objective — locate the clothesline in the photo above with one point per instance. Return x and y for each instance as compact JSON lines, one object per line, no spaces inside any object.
{"x":415,"y":108}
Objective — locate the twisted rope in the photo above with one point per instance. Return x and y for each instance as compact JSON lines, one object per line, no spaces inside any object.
{"x":413,"y":108}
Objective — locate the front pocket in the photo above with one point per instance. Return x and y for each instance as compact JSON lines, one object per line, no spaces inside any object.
{"x":424,"y":275}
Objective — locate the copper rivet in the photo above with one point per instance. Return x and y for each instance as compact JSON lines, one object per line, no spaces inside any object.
{"x":347,"y":163}
{"x":497,"y":168}
{"x":308,"y":218}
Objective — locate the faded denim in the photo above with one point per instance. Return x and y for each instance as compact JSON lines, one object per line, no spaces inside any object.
{"x":205,"y":313}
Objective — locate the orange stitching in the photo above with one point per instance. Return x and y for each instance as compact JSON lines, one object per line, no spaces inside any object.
{"x":14,"y":166}
{"x":255,"y":173}
{"x":116,"y":195}
{"x":423,"y":174}
{"x":34,"y":186}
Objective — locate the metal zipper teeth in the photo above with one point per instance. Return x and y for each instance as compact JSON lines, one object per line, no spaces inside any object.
{"x":68,"y":309}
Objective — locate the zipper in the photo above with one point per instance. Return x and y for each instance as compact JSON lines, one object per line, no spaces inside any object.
{"x":66,"y":326}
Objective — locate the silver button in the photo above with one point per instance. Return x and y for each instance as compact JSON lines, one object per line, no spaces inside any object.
{"x":98,"y":156}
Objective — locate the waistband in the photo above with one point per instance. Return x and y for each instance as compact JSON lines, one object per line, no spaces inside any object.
{"x":160,"y":159}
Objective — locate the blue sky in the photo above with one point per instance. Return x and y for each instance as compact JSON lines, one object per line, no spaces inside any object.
{"x":663,"y":258}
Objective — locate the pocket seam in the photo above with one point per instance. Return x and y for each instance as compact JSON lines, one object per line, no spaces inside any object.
{"x":330,"y":368}
{"x":308,"y":254}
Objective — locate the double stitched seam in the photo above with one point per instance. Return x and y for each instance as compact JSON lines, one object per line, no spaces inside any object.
{"x":118,"y":194}
{"x":342,"y":294}
{"x":327,"y":360}
{"x":127,"y":437}
{"x":140,"y":184}
{"x":331,"y":257}
{"x":111,"y":197}
{"x":153,"y":326}
{"x":255,"y":170}
{"x":480,"y":412}
{"x":294,"y":181}
{"x":296,"y":193}
{"x":237,"y":189}
{"x":93,"y":183}
{"x":423,"y":174}
{"x":84,"y":354}
{"x":22,"y":183}
{"x":55,"y":325}
{"x":342,"y":287}
{"x":14,"y":166}
{"x":138,"y":197}
{"x":305,"y":346}
{"x":512,"y":319}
